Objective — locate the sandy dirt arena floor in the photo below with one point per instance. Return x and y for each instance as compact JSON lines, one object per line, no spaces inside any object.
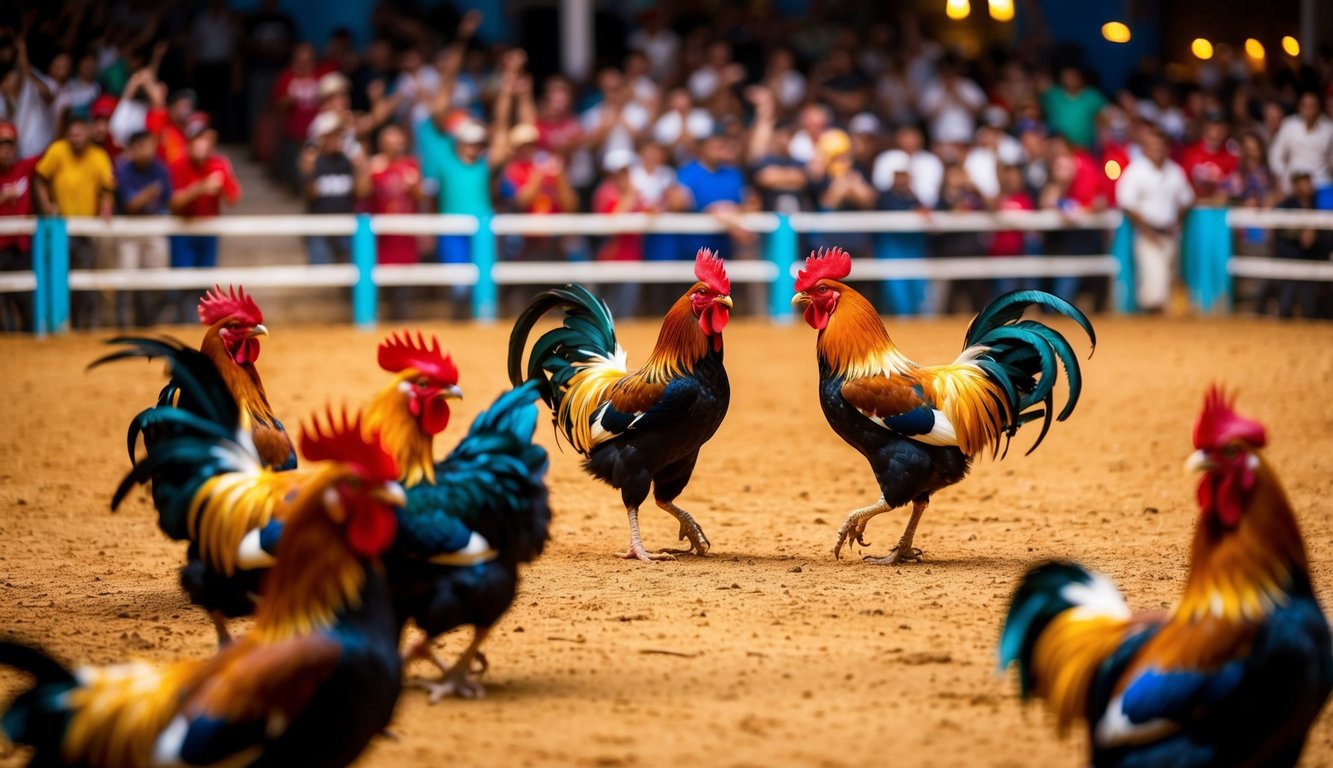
{"x":766,"y":653}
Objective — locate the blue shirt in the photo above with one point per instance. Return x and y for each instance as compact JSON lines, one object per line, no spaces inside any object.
{"x":131,"y":180}
{"x":708,"y":187}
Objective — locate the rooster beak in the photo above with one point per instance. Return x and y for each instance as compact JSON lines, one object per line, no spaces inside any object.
{"x":1199,"y":462}
{"x":451,"y":392}
{"x":258,"y":330}
{"x":800,"y":300}
{"x":390,"y":494}
{"x":724,"y":301}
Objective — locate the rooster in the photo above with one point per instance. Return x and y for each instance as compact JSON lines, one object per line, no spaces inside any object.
{"x":234,"y":525}
{"x":921,"y":426}
{"x":232,"y":343}
{"x":643,"y":429}
{"x":1235,"y":675}
{"x":464,"y":533}
{"x":310,"y":685}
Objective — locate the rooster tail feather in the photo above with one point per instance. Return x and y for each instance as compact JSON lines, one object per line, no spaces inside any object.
{"x":36,"y":716}
{"x":586,"y":335}
{"x":191,"y":371}
{"x":1025,"y":357}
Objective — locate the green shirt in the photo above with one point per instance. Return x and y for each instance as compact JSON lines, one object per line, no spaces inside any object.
{"x":1073,"y":116}
{"x":463,"y":187}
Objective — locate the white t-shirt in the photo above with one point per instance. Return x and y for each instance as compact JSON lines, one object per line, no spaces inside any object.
{"x":668,"y":128}
{"x":955,"y":121}
{"x":790,"y":89}
{"x":927,"y":174}
{"x":1297,"y":148}
{"x":652,"y":187}
{"x":981,"y":168}
{"x":1157,"y":194}
{"x":76,"y":95}
{"x":33,"y":118}
{"x":704,"y":83}
{"x":634,"y":119}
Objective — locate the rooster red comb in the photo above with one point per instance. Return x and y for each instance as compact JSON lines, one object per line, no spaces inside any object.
{"x":399,"y":354}
{"x":216,"y":305}
{"x":1219,"y":424}
{"x":710,"y":270}
{"x":338,"y":438}
{"x":832,"y":263}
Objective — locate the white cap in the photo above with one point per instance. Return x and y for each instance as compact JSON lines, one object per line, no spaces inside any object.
{"x":324,"y":124}
{"x":332,"y":83}
{"x":470,"y":132}
{"x":1009,"y":153}
{"x":896,"y":161}
{"x":864,"y":122}
{"x":617,"y":159}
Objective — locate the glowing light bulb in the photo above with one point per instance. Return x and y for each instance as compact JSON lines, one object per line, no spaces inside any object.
{"x":1002,"y":10}
{"x":1254,"y":49}
{"x":1113,"y":170}
{"x":1291,"y":46}
{"x":1115,"y":32}
{"x":1202,"y":49}
{"x":957,"y":9}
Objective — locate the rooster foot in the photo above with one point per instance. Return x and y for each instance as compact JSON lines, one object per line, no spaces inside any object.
{"x":458,"y":683}
{"x":637,"y":552}
{"x":851,"y":531}
{"x":699,"y":543}
{"x":899,"y":554}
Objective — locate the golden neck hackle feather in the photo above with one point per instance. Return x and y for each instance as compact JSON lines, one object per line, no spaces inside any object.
{"x":413,"y":449}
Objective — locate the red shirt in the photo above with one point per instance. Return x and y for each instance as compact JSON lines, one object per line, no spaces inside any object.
{"x":303,"y":90}
{"x":1010,"y":243}
{"x":16,"y":183}
{"x":1089,"y":184}
{"x":517,"y":174}
{"x":392,"y":184}
{"x":184,"y":173}
{"x":1207,"y":168}
{"x":624,"y":247}
{"x":171,"y":142}
{"x":557,"y":136}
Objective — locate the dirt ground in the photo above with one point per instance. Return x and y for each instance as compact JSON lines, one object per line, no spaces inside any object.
{"x":767,"y":652}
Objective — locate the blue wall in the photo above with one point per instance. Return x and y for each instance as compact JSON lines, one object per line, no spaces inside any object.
{"x":316,"y":19}
{"x":1080,"y":24}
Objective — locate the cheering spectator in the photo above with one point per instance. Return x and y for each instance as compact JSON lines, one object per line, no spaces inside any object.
{"x":75,"y":178}
{"x":843,"y":87}
{"x":143,"y":188}
{"x":1013,"y":197}
{"x":959,"y":195}
{"x":331,"y":182}
{"x":99,"y":126}
{"x":1304,"y":142}
{"x":1076,"y":186}
{"x":201,"y":182}
{"x":924,"y":167}
{"x":616,"y":194}
{"x":838,"y":184}
{"x":1072,"y":107}
{"x":395,"y":187}
{"x":1209,"y":163}
{"x":296,"y":100}
{"x":169,"y":122}
{"x":77,"y":93}
{"x":655,"y":182}
{"x":658,"y":43}
{"x":951,"y":105}
{"x":682,"y":124}
{"x":28,"y":102}
{"x":1155,"y":195}
{"x":716,"y":186}
{"x":15,"y":250}
{"x":1309,"y":244}
{"x":901,"y":297}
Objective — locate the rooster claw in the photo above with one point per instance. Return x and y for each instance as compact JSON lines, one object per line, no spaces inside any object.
{"x":912,"y":554}
{"x":699,"y":543}
{"x":461,"y":686}
{"x":643,"y":555}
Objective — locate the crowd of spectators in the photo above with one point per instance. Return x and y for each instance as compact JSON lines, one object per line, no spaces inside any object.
{"x":723,"y":117}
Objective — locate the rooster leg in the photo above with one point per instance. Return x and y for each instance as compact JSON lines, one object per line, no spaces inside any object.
{"x":220,"y":625}
{"x":458,"y":680}
{"x":854,"y":527}
{"x":689,"y":529}
{"x":421,"y":649}
{"x":636,"y":550}
{"x":904,"y":551}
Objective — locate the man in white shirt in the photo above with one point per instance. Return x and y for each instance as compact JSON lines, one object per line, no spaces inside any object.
{"x":27,"y":99}
{"x":951,"y":103}
{"x":1304,"y":142}
{"x":1155,"y":194}
{"x":926,"y":169}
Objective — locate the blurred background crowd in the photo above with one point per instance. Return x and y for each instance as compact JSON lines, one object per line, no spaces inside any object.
{"x":120,"y":107}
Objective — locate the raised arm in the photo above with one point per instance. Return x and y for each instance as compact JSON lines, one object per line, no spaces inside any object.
{"x":449,"y":63}
{"x":511,"y":66}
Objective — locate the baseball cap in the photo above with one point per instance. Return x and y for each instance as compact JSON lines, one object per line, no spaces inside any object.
{"x":470,"y":132}
{"x":617,"y":159}
{"x":103,"y":106}
{"x":8,"y":132}
{"x":331,"y":84}
{"x":524,"y":133}
{"x":896,"y":161}
{"x":197,"y":125}
{"x":324,"y":124}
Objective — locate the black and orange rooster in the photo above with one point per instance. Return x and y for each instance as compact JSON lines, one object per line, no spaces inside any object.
{"x":637,"y":430}
{"x":921,"y":426}
{"x":232,"y":343}
{"x":1234,"y":676}
{"x":315,"y":679}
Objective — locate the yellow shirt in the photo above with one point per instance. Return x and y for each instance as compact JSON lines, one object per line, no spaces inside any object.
{"x":76,"y":181}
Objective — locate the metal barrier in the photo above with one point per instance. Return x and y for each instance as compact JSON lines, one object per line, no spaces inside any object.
{"x":51,"y":279}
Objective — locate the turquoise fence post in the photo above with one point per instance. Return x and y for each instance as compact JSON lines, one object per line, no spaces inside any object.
{"x":57,"y":253}
{"x":485,"y":296}
{"x":364,"y":294}
{"x":40,"y":259}
{"x":1205,"y":250}
{"x":782,"y":252}
{"x":1122,"y":248}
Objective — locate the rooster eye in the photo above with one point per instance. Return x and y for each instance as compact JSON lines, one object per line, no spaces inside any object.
{"x":1232,"y":451}
{"x":823,"y":289}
